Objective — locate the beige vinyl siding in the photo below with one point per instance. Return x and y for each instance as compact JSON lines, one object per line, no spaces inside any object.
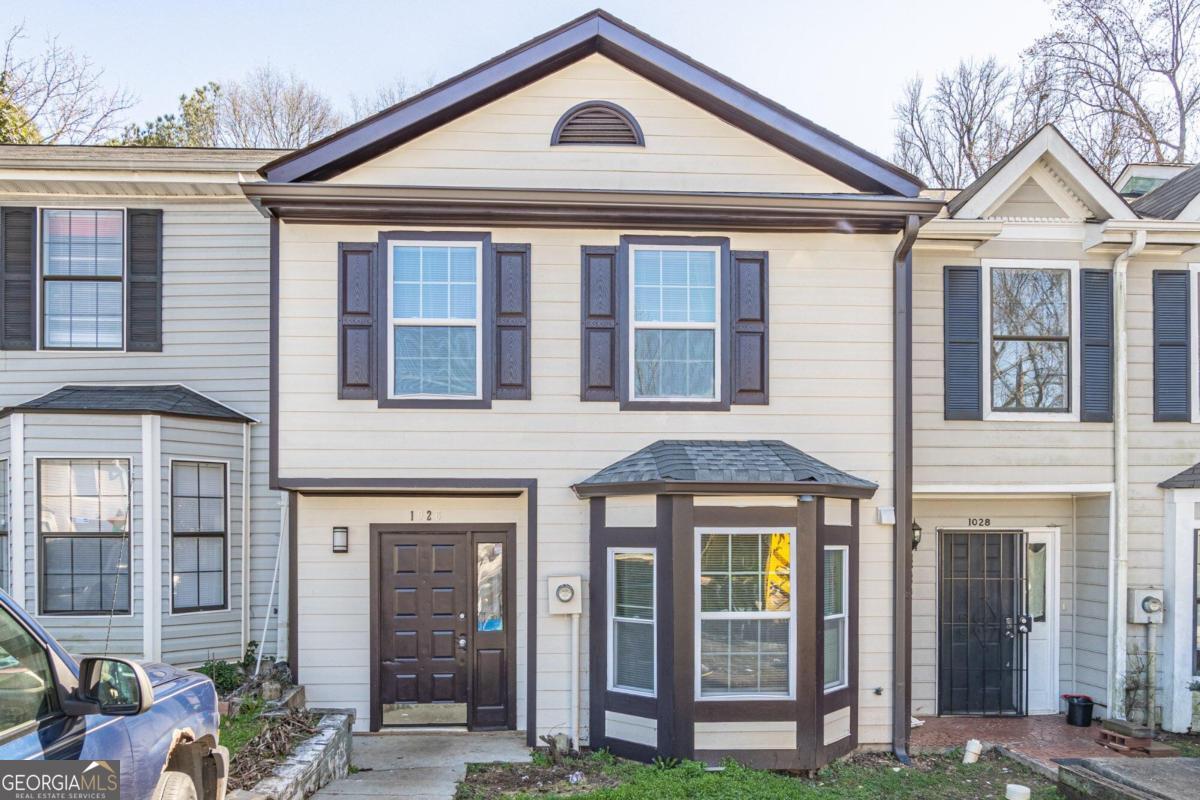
{"x":978,"y":452}
{"x":775,"y":735}
{"x":1089,"y":554}
{"x":190,"y":638}
{"x":629,"y":728}
{"x":53,"y":436}
{"x":333,"y":615}
{"x":216,"y":257}
{"x":507,"y":144}
{"x":1030,"y":201}
{"x":831,"y":351}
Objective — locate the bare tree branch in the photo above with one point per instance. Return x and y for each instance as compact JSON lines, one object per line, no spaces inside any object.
{"x":61,"y":92}
{"x":272,"y":109}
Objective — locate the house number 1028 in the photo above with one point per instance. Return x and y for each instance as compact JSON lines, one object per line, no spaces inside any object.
{"x":979,"y":522}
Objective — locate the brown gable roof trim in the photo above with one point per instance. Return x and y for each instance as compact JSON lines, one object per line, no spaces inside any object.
{"x":594,"y":32}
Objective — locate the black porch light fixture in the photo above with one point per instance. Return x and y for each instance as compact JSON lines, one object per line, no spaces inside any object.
{"x":916,"y":534}
{"x":341,"y":539}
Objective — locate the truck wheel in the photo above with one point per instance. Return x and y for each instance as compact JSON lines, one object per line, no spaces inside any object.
{"x":174,"y":786}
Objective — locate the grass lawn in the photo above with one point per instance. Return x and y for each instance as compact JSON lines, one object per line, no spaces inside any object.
{"x":236,"y":731}
{"x":1188,"y":744}
{"x":600,"y":776}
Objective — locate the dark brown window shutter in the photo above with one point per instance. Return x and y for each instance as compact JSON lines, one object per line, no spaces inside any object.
{"x":748,"y":328}
{"x":511,"y":320}
{"x":356,"y":321}
{"x":17,"y":278}
{"x":601,"y":314}
{"x":143,"y":287}
{"x":963,"y":345}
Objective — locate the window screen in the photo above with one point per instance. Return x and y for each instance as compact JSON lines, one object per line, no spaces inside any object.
{"x":435,"y":321}
{"x":631,"y":610}
{"x":83,"y":261}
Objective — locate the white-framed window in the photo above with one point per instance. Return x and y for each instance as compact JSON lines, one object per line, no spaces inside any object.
{"x":835,"y":605}
{"x":435,"y":304}
{"x":632,"y":648}
{"x":745,"y":617}
{"x":674,"y":332}
{"x":82,"y":279}
{"x":1031,"y":339}
{"x":4,"y":576}
{"x":199,"y":531}
{"x":83,"y":510}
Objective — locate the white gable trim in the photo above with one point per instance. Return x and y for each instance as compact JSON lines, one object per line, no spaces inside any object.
{"x":1049,"y":143}
{"x":1047,"y":178}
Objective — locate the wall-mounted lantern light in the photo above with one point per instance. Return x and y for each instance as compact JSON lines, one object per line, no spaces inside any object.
{"x":916,"y":534}
{"x":806,"y":498}
{"x":341,"y":539}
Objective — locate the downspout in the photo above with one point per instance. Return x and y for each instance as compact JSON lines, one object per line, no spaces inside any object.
{"x":1119,"y":548}
{"x":247,"y":483}
{"x":902,"y":488}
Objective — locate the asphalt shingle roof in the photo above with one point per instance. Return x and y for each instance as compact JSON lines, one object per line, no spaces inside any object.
{"x":1171,"y":198}
{"x":1188,"y":479}
{"x":172,"y":399}
{"x":678,"y":463}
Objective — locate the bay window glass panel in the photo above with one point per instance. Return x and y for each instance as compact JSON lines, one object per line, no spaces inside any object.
{"x":83,"y":299}
{"x":84,"y":528}
{"x":435,"y":284}
{"x":745,"y":613}
{"x":1031,"y":345}
{"x":198,"y":535}
{"x":674,"y":323}
{"x":834,"y":571}
{"x":631,"y":611}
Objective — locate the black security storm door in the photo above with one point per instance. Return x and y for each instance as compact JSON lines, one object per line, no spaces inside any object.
{"x":982,"y":629}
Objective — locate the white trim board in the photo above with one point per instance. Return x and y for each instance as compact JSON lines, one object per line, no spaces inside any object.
{"x":1181,"y":520}
{"x":16,"y":511}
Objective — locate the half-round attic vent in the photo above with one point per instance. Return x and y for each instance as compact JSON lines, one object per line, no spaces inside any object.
{"x":597,"y":122}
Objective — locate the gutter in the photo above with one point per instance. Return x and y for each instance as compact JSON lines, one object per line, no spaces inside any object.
{"x":1118,"y":570}
{"x":902,"y":489}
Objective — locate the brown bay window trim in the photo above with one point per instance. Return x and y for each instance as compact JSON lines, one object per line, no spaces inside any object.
{"x":484,"y":315}
{"x":626,"y":361}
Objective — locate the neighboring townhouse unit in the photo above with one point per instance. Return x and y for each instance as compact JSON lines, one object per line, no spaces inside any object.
{"x":133,"y":380}
{"x":593,"y":310}
{"x":1054,"y":408}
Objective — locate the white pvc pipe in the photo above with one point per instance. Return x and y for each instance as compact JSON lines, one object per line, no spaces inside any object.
{"x":1119,"y":548}
{"x":575,"y":681}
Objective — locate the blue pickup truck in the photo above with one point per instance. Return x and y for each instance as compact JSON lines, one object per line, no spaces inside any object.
{"x":161,"y":723}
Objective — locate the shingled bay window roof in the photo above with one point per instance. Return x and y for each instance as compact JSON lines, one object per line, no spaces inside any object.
{"x":1188,"y":479}
{"x":677,"y":466}
{"x":169,"y":399}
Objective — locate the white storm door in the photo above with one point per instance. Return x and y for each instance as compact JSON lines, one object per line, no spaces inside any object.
{"x":1041,"y":603}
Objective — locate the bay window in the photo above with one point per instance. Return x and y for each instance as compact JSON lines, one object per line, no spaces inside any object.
{"x":631,"y":613}
{"x":84,"y":527}
{"x":745,"y":615}
{"x":83,"y":267}
{"x":836,"y":616}
{"x":674,"y":336}
{"x":435,"y":308}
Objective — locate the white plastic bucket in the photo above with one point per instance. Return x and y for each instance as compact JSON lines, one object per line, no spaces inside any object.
{"x":971,"y":751}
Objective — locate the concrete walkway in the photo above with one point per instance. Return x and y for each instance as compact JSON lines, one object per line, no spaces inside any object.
{"x":420,"y":766}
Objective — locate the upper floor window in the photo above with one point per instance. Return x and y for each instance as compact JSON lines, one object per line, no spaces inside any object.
{"x":83,"y":266}
{"x":675,"y":323}
{"x":1030,"y":342}
{"x":84,"y":513}
{"x":435,"y":305}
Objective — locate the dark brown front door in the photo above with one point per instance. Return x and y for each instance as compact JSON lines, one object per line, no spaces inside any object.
{"x":424,"y":636}
{"x":444,"y":606}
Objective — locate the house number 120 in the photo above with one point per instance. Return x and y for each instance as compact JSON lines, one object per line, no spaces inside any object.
{"x":979,"y":522}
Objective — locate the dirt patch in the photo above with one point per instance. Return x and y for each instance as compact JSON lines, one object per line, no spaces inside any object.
{"x":257,"y":758}
{"x":1188,"y":744}
{"x":574,"y":777}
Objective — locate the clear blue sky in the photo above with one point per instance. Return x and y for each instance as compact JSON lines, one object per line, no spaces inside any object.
{"x":841,"y":64}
